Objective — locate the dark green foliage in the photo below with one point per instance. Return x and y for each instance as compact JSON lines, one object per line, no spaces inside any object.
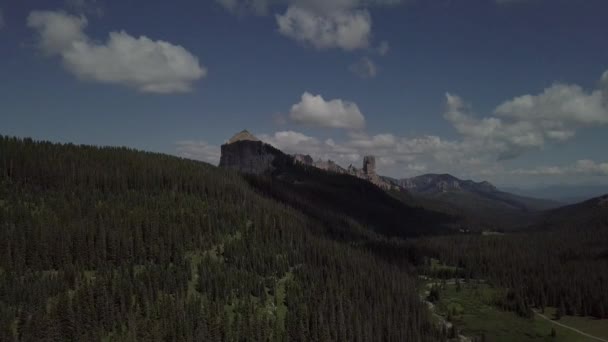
{"x":564,"y":268}
{"x":433,"y":296}
{"x":334,"y":199}
{"x":115,"y":244}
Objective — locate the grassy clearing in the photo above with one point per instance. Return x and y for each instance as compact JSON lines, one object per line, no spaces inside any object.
{"x":590,"y":325}
{"x":472,"y":312}
{"x":437,"y":266}
{"x":280,"y":298}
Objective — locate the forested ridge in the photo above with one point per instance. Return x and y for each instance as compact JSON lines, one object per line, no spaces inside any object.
{"x":566,"y":268}
{"x":114,"y":244}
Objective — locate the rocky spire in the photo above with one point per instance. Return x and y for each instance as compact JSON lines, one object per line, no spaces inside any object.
{"x":369,"y":165}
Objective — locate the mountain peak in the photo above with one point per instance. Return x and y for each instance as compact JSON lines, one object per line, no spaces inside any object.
{"x":243,"y":135}
{"x":250,"y":155}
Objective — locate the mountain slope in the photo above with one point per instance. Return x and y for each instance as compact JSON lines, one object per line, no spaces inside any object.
{"x":567,"y":194}
{"x":116,"y":244}
{"x":337,"y":199}
{"x":590,"y":214}
{"x":481,"y":203}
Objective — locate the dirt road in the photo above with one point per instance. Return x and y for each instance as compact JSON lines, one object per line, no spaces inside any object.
{"x":569,"y":327}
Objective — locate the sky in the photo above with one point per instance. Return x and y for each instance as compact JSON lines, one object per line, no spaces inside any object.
{"x":510,"y":91}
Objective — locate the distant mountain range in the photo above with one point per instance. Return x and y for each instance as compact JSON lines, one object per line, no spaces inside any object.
{"x":590,"y":214}
{"x":405,"y":206}
{"x":568,"y":194}
{"x":349,"y":205}
{"x":482,"y":203}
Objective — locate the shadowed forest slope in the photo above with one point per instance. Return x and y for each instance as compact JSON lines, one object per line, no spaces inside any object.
{"x":112,"y":243}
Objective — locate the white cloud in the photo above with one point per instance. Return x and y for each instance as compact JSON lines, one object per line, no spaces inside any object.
{"x":322,"y":24}
{"x":397,"y":156}
{"x":385,"y":140}
{"x":198,"y":150}
{"x":293,"y":142}
{"x":581,"y":167}
{"x":348,"y":29}
{"x":558,"y":103}
{"x":530,"y":121}
{"x":364,"y":68}
{"x":315,"y":111}
{"x":515,"y":127}
{"x":58,"y":31}
{"x":139,"y":63}
{"x":296,"y":142}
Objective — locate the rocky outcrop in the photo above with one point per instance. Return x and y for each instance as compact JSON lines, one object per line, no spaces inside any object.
{"x":247,"y":154}
{"x":368,"y":172}
{"x":329,"y":165}
{"x":303,"y":159}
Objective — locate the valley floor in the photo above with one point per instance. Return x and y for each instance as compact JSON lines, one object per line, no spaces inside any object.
{"x":468,"y":306}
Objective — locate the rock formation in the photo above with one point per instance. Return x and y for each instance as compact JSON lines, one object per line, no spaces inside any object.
{"x":369,"y":165}
{"x":368,"y":172}
{"x":303,"y":159}
{"x":247,"y":154}
{"x":329,"y":165}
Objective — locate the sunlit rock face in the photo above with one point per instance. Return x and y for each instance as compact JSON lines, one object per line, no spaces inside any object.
{"x":247,"y":154}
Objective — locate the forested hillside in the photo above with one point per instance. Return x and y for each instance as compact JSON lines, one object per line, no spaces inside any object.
{"x":115,"y":244}
{"x":565,"y":268}
{"x":344,"y":202}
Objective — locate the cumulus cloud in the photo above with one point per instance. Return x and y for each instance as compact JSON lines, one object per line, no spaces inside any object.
{"x":348,"y":29}
{"x":198,"y":150}
{"x":322,"y":24}
{"x":397,"y":156}
{"x":293,"y":142}
{"x":558,"y":103}
{"x":514,"y":127}
{"x":139,"y":63}
{"x":531,"y":121}
{"x":58,"y":31}
{"x":296,"y":142}
{"x":364,"y":68}
{"x":314,"y":110}
{"x":581,"y":167}
{"x":385,"y":140}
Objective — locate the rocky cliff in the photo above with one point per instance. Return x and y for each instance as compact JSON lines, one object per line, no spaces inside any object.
{"x":247,"y":154}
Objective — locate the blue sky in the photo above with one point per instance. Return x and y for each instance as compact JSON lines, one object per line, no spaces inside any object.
{"x":515,"y":92}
